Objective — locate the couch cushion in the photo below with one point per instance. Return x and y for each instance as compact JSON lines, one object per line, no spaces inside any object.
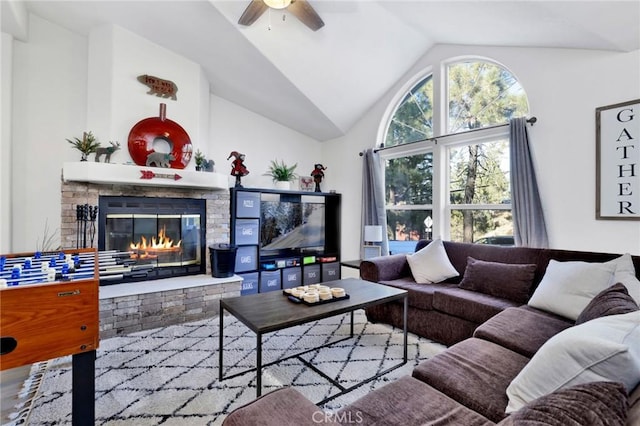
{"x":504,"y":280}
{"x":459,"y":252}
{"x":522,"y":330}
{"x":611,"y":301}
{"x":475,"y":373}
{"x":420,"y":295}
{"x":470,"y":305}
{"x":593,"y":404}
{"x":568,"y":287}
{"x":605,"y":348}
{"x":431,"y":264}
{"x":408,"y":401}
{"x":280,"y":407}
{"x":626,"y":274}
{"x":634,"y":407}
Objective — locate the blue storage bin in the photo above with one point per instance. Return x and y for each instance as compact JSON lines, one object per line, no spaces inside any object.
{"x":291,"y":277}
{"x":246,"y":232}
{"x":270,"y":281}
{"x":311,"y":274}
{"x":246,"y":259}
{"x":249,"y":283}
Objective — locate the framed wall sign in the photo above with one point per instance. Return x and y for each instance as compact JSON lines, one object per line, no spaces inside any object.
{"x":618,"y":161}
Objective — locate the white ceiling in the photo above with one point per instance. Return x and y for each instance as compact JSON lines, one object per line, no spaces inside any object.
{"x":320,"y":83}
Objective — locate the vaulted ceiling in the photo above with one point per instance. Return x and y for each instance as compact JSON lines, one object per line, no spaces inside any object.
{"x":320,"y":83}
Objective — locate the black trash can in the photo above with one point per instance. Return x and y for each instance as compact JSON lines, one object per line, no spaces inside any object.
{"x":223,"y":260}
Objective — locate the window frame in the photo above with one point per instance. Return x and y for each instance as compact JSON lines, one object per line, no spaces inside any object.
{"x":441,"y":206}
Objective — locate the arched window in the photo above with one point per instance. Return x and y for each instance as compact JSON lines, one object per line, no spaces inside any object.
{"x":451,"y":179}
{"x":412,"y":120}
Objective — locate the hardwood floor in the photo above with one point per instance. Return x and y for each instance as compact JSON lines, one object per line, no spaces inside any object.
{"x":11,"y":382}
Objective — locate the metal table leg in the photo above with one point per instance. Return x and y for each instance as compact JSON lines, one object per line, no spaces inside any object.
{"x":404,"y":325}
{"x":258,"y":364}
{"x":221,"y":341}
{"x":351,"y":323}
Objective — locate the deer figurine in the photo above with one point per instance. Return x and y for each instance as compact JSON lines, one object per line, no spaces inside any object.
{"x":107,"y":152}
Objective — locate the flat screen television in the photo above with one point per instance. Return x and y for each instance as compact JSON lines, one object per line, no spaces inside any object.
{"x":292,"y":224}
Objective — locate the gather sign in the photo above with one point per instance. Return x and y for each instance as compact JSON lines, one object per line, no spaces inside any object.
{"x":618,"y":161}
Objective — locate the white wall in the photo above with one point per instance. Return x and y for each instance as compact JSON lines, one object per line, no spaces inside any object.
{"x":49,"y":105}
{"x":5,"y":144}
{"x":117,"y":100}
{"x":64,"y":84}
{"x":234,"y":128}
{"x":564,"y":88}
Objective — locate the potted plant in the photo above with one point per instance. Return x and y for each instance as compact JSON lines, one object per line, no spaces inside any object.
{"x":200,"y":159}
{"x":282,"y":174}
{"x":87,"y":145}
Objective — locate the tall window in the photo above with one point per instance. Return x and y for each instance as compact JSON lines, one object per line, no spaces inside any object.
{"x":456,"y":185}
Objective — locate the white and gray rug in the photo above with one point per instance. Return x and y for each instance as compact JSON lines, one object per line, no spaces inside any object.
{"x":162,"y":376}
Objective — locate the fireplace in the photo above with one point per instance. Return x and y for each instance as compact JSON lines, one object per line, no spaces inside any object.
{"x":152,"y":237}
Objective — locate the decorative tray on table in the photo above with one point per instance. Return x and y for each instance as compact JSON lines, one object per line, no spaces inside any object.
{"x":300,"y":295}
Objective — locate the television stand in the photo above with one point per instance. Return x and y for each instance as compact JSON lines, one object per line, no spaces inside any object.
{"x":284,"y":238}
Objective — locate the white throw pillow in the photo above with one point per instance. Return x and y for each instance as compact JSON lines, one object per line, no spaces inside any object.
{"x":626,"y":274}
{"x":568,"y":287}
{"x":431,"y":264}
{"x":603,"y":349}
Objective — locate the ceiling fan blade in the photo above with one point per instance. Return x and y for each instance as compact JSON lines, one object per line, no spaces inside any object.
{"x":302,"y":10}
{"x":255,"y":9}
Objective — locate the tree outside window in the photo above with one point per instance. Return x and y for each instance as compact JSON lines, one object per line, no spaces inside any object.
{"x":480,"y":95}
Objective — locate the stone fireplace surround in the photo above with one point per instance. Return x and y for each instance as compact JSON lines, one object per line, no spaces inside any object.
{"x":126,"y":308}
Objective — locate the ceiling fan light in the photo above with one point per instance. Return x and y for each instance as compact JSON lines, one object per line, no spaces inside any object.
{"x":277,"y":4}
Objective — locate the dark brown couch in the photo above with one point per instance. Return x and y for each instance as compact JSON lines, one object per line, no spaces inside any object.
{"x":467,"y":383}
{"x":446,"y":313}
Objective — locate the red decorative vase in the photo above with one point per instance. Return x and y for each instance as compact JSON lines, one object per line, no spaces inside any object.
{"x":145,"y":132}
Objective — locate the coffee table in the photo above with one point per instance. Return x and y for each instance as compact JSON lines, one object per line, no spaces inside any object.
{"x":268,"y":312}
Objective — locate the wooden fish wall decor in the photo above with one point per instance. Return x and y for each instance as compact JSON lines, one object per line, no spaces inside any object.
{"x":159,"y":87}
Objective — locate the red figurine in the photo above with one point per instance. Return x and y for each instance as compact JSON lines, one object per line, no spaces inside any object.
{"x":318,"y":174}
{"x":237,"y":167}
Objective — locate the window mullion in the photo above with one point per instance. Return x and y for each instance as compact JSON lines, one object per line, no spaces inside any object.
{"x":440,"y":193}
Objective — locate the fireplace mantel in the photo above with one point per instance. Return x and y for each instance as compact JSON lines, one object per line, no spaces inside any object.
{"x":125,"y":174}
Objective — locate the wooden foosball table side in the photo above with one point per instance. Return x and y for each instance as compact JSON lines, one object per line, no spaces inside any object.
{"x":41,"y":321}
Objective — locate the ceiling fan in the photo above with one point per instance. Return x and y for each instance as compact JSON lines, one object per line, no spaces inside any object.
{"x":301,"y":9}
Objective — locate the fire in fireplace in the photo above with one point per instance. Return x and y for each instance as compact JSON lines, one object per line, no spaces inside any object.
{"x":155,"y":237}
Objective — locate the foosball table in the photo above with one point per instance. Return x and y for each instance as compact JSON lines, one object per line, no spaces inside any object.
{"x":49,"y":309}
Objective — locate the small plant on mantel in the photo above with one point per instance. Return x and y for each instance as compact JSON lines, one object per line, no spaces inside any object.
{"x":280,"y":172}
{"x":87,"y":145}
{"x":200,"y":159}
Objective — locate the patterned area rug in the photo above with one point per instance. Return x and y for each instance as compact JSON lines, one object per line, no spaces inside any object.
{"x":169,"y":376}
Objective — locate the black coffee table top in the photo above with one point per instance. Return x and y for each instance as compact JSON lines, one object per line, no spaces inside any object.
{"x":272,"y":311}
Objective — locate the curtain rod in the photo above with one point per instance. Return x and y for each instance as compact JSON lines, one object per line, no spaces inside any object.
{"x":531,"y":121}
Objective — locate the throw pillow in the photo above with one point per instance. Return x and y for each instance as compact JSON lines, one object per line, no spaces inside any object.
{"x":431,"y":264}
{"x":568,"y":287}
{"x":506,"y":280}
{"x":611,"y":301}
{"x":594,"y":404}
{"x":626,"y":274}
{"x":601,"y":349}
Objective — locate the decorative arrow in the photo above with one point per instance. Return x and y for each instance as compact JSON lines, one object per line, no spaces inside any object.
{"x":148,"y":174}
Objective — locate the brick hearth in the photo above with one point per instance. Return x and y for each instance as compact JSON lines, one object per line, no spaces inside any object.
{"x":127,"y":308}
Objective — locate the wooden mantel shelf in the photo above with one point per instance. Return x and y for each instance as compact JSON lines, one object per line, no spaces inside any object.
{"x":126,"y":174}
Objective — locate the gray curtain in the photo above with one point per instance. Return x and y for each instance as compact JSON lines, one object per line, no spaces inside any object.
{"x":373,"y":211}
{"x":529,"y":229}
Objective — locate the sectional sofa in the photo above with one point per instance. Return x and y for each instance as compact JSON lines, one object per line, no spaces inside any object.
{"x":536,"y":337}
{"x":448,"y":312}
